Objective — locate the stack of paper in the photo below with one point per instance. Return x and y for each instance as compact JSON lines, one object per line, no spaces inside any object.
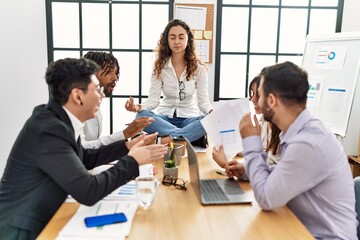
{"x":76,"y":229}
{"x":122,"y":199}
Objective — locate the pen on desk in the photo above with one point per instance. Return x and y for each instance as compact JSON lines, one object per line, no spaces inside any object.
{"x":221,"y":173}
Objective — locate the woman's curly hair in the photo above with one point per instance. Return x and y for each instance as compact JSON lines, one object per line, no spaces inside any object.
{"x":164,"y":51}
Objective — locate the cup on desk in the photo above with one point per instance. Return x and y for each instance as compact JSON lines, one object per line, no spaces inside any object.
{"x":182,"y":141}
{"x":146,"y":188}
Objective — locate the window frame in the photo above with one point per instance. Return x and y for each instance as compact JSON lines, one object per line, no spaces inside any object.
{"x":110,"y":49}
{"x":248,"y":53}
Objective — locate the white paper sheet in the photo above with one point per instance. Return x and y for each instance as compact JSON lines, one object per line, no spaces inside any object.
{"x":124,"y":192}
{"x":203,"y":49}
{"x":222,"y":125}
{"x":76,"y":229}
{"x":195,"y":17}
{"x":330,"y":58}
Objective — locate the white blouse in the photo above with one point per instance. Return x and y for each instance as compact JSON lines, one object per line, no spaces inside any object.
{"x":196,"y":90}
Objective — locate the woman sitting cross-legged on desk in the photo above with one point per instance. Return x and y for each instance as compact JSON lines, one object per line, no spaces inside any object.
{"x":269,"y":136}
{"x":182,"y":79}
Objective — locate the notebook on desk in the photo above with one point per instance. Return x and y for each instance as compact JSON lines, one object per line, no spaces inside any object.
{"x":217,"y":190}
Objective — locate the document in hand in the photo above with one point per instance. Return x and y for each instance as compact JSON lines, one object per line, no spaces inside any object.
{"x":222,"y":125}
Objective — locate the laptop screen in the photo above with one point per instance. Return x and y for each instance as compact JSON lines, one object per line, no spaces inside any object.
{"x":193,"y":168}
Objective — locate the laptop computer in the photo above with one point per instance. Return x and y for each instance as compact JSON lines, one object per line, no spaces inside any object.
{"x":217,"y":190}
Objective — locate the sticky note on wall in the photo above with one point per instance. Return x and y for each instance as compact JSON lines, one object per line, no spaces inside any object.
{"x":198,"y":34}
{"x":208,"y":34}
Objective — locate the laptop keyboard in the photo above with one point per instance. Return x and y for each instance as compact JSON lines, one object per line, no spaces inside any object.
{"x":230,"y":188}
{"x":211,"y":191}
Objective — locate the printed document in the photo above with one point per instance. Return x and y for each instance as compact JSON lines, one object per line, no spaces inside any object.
{"x":222,"y":125}
{"x":126,"y":191}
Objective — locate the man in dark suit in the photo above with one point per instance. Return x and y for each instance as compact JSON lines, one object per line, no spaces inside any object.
{"x":47,"y":161}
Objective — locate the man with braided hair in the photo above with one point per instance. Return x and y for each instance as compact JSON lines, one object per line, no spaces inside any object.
{"x":108,"y":76}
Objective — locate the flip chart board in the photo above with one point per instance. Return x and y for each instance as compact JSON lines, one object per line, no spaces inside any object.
{"x":333,"y":64}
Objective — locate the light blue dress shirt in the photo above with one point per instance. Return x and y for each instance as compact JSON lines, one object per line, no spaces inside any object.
{"x":312,"y":178}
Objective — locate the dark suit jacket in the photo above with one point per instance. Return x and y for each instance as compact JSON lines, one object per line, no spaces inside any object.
{"x":46,"y":164}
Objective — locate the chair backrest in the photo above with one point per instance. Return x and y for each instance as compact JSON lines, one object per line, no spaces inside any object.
{"x":357,"y":202}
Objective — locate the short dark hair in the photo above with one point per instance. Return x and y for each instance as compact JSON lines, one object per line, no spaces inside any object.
{"x":65,"y":74}
{"x":287,"y":81}
{"x":104,"y":59}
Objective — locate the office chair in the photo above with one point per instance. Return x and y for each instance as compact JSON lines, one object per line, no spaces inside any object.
{"x":357,"y":202}
{"x":354,"y":161}
{"x":356,"y":158}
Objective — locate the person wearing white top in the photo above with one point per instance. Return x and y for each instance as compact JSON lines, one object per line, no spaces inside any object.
{"x":182,"y":80}
{"x":108,"y":76}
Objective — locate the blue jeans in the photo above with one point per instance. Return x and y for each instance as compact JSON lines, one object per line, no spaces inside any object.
{"x":190,"y":128}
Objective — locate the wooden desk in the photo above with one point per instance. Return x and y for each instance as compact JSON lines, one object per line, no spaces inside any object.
{"x":177,"y":214}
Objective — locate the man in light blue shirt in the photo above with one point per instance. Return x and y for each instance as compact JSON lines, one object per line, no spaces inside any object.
{"x":313,"y":177}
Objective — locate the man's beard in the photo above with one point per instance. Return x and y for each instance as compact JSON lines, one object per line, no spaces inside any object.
{"x":107,"y":93}
{"x":268,"y":113}
{"x":108,"y":89}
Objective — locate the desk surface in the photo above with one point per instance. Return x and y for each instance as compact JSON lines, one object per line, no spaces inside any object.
{"x":177,"y":214}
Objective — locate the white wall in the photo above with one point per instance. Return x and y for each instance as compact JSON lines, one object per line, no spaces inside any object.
{"x":24,"y":59}
{"x":351,"y":16}
{"x":22,"y":66}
